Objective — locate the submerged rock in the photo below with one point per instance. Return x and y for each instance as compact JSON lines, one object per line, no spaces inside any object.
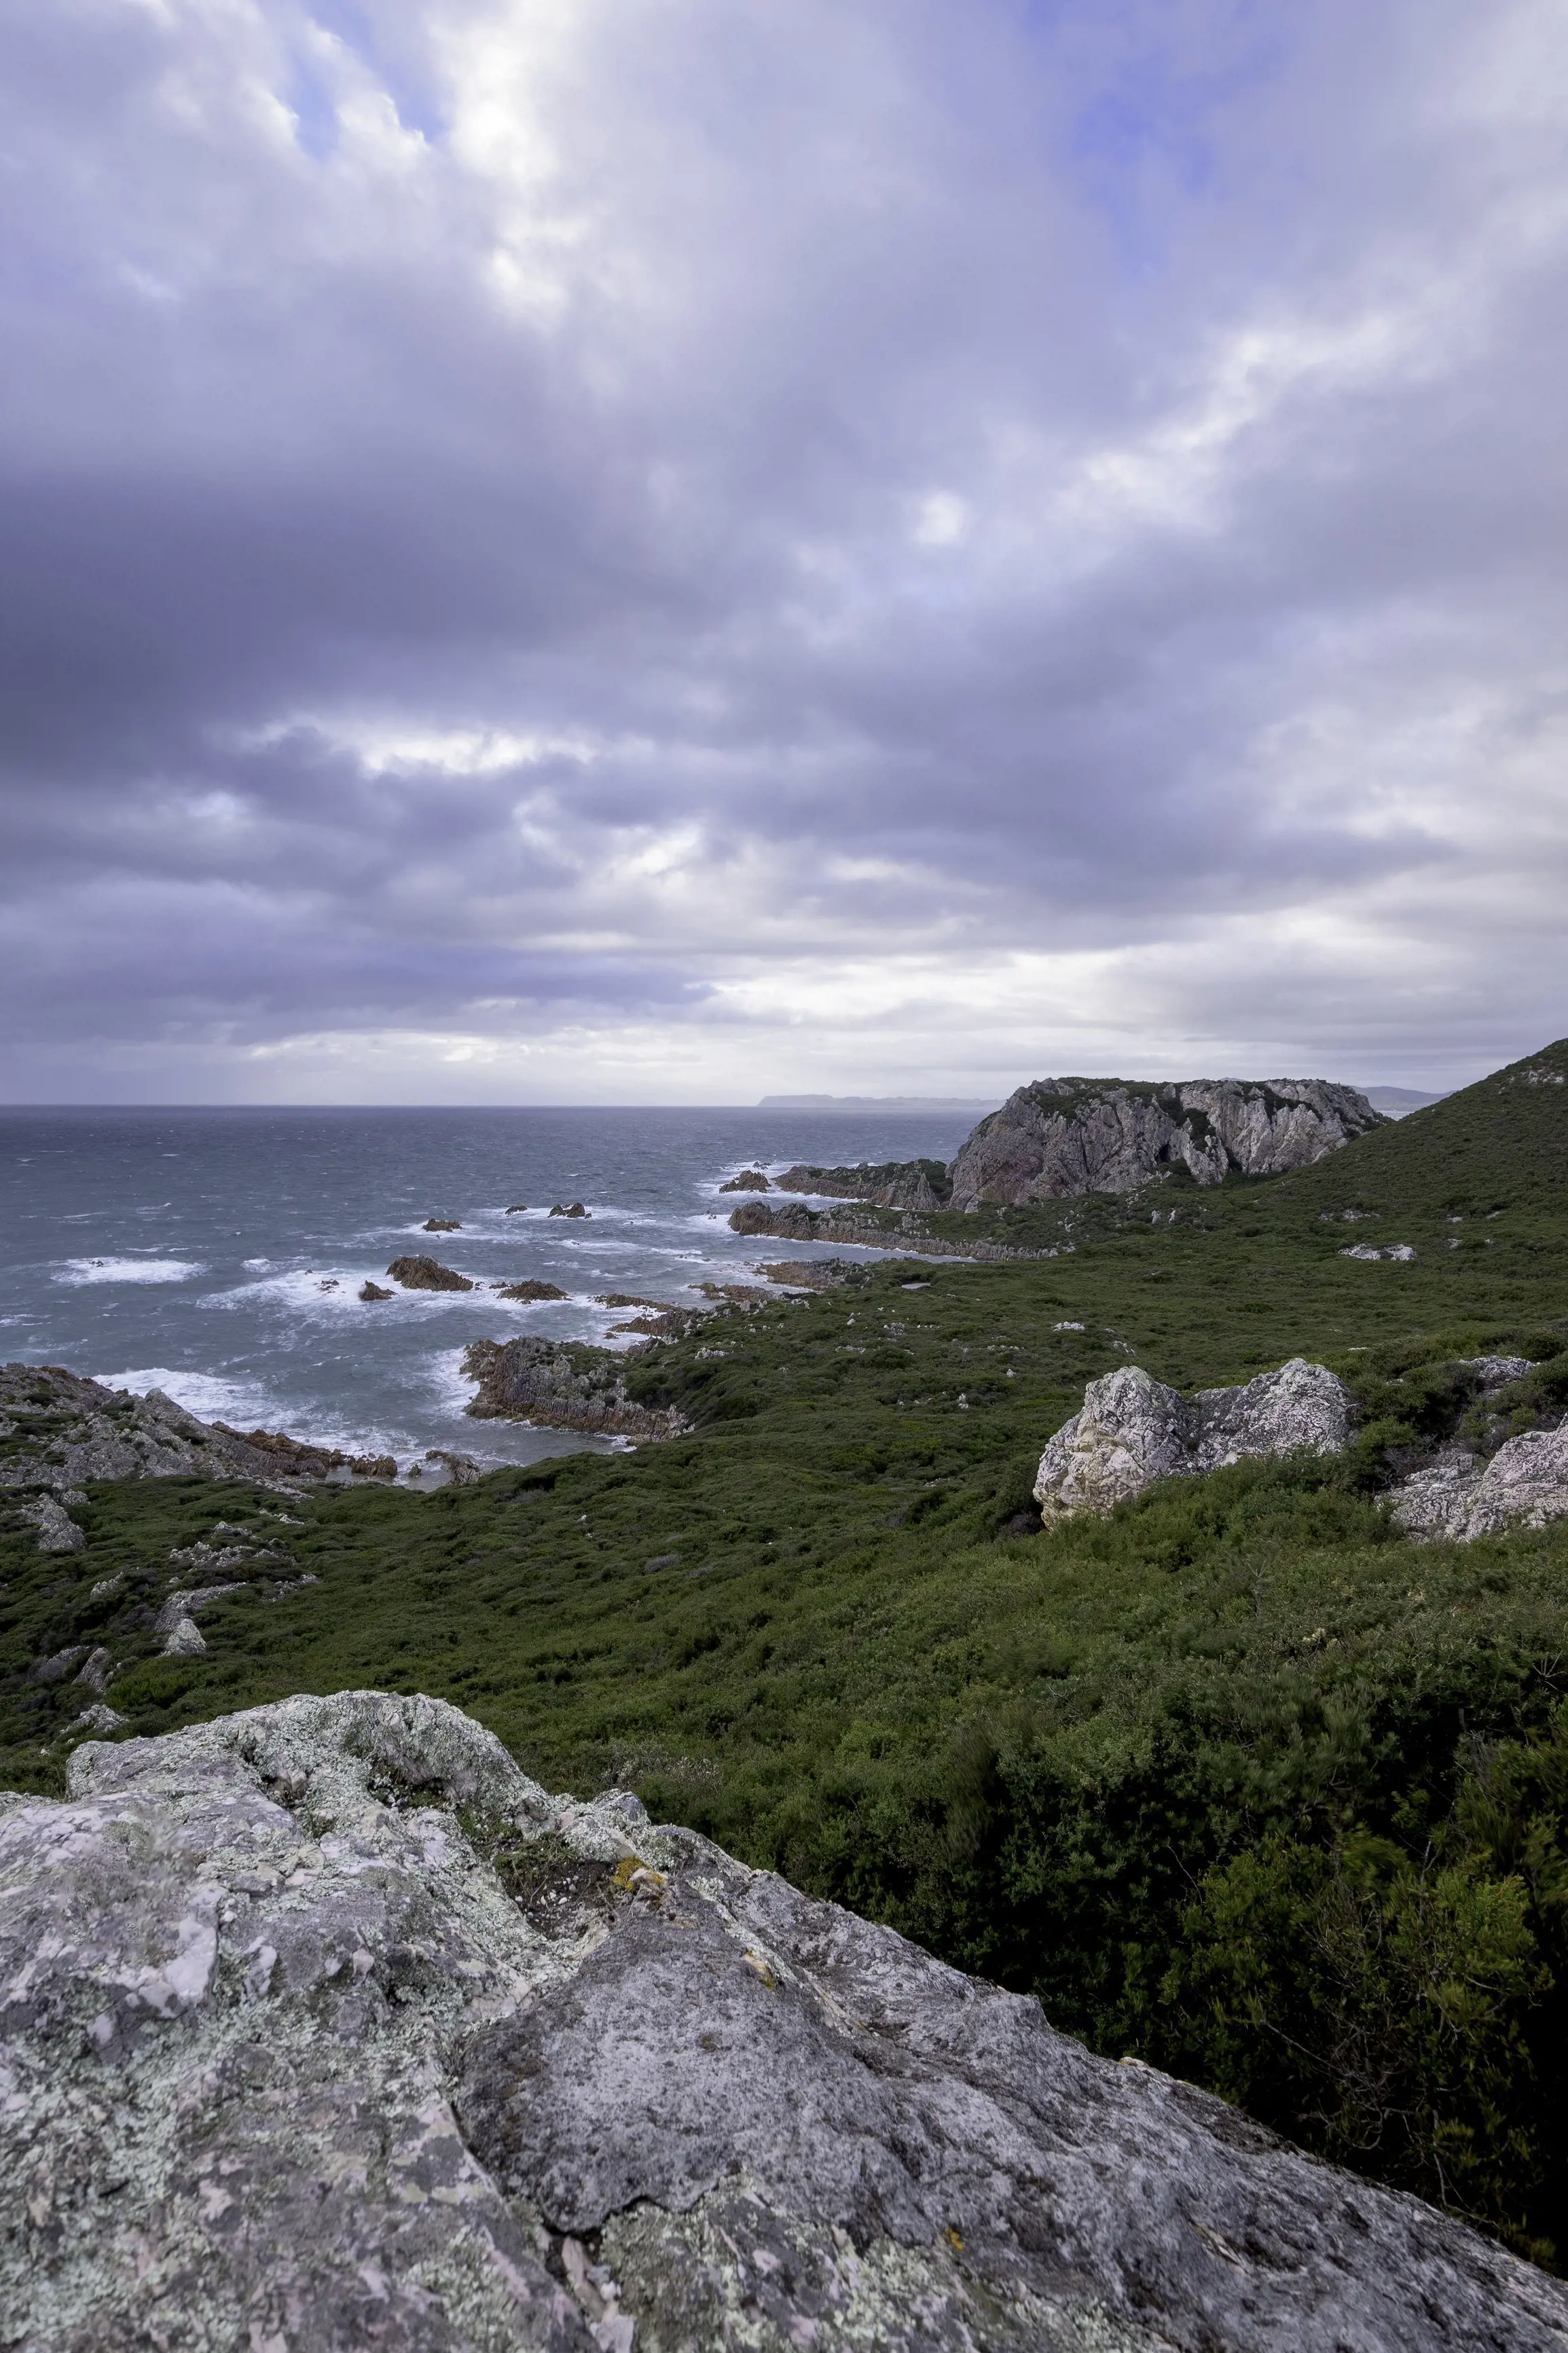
{"x":562,"y":1384}
{"x":1134,"y":1429}
{"x":420,"y":1273}
{"x":292,"y":2065}
{"x":1063,"y":1136}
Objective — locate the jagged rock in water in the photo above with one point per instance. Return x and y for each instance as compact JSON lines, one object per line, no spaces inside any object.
{"x":1134,"y":1429}
{"x":290,"y":2064}
{"x":563,"y":1386}
{"x":371,"y":1292}
{"x":531,"y":1291}
{"x":1063,"y":1136}
{"x":1461,"y":1495}
{"x":442,"y":1226}
{"x":417,"y":1272}
{"x":750,"y":1180}
{"x":86,"y":1431}
{"x":891,"y":1185}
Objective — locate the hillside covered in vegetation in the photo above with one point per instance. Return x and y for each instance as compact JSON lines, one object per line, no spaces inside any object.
{"x":1239,"y":1780}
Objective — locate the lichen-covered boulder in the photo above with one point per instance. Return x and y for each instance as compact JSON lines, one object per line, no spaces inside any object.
{"x":1134,"y":1429}
{"x":1460,"y":1495}
{"x":324,"y":2029}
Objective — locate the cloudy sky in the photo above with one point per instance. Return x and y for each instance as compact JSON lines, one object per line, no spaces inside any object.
{"x":664,"y":549}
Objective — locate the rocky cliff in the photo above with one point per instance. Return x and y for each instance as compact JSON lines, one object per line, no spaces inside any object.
{"x":560,"y":1385}
{"x":58,"y":1432}
{"x":1064,"y":1137}
{"x":325,"y":2029}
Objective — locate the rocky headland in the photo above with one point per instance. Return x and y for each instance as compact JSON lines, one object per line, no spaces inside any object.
{"x":562,"y":1384}
{"x":1058,"y":1137}
{"x":59,"y":1431}
{"x":325,"y":2028}
{"x":792,"y":1221}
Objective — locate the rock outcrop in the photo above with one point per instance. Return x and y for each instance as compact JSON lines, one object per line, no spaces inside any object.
{"x":562,"y":1384}
{"x":417,"y":1272}
{"x":750,"y":1180}
{"x":852,"y":1229}
{"x":1063,"y":1136}
{"x":1134,"y":1429}
{"x":59,"y":1431}
{"x":370,"y":1292}
{"x":325,"y":2030}
{"x":1460,"y":1494}
{"x":891,"y":1185}
{"x":442,"y":1226}
{"x":530,"y":1292}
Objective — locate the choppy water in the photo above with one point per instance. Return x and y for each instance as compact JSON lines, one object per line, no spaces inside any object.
{"x":196,"y":1252}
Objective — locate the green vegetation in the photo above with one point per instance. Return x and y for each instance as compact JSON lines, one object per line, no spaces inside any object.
{"x":1241,"y":1780}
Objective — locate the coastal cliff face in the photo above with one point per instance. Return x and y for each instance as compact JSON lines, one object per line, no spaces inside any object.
{"x":1063,"y":1136}
{"x":560,"y":1385}
{"x":326,"y":2028}
{"x":59,"y":1431}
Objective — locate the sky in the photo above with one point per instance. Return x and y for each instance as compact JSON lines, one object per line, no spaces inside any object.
{"x":661,"y":551}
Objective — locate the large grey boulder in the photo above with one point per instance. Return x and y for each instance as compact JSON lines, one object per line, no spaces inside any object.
{"x":1134,"y":1429}
{"x":288,"y":2068}
{"x":1459,"y":1495}
{"x":1058,"y":1137}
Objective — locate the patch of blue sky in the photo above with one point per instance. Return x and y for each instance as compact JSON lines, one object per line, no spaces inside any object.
{"x":417,"y":105}
{"x":1150,"y":132}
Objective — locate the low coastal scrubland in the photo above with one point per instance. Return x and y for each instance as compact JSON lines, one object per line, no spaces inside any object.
{"x":1239,"y":1780}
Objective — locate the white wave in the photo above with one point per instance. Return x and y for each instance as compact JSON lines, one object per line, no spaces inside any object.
{"x":129,"y":1270}
{"x":209,"y":1395}
{"x":249,"y":1405}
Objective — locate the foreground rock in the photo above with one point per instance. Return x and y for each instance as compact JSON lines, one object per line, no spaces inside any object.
{"x":1132,"y":1429}
{"x":417,"y":1272}
{"x":290,"y":2065}
{"x":58,"y":1432}
{"x":1064,"y":1137}
{"x":562,"y":1384}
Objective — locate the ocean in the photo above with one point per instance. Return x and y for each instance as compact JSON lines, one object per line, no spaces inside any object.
{"x":218,"y":1254}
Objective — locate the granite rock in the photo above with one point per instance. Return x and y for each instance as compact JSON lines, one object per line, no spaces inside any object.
{"x":1058,"y":1137}
{"x":1460,"y":1495}
{"x":560,"y":1385}
{"x":1132,"y":1429}
{"x":85,"y":1431}
{"x":417,"y":1272}
{"x":290,"y":2069}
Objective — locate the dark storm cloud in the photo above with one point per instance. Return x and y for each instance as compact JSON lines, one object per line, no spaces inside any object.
{"x":874,"y":520}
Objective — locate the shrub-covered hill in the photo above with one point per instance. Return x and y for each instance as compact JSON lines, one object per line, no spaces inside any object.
{"x":1240,"y":1780}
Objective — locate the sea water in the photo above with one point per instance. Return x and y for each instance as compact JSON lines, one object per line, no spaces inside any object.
{"x":218,"y":1254}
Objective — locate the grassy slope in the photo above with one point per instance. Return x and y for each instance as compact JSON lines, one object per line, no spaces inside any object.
{"x":1036,"y":1753}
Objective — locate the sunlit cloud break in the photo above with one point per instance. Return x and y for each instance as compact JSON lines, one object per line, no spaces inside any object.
{"x":614,"y":552}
